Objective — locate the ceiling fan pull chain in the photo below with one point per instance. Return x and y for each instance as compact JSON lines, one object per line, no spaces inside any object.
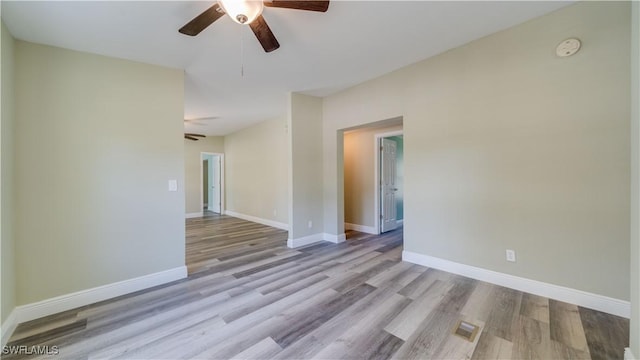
{"x":242,"y":51}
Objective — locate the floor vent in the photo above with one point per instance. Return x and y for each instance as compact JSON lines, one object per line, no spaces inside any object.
{"x":466,"y":330}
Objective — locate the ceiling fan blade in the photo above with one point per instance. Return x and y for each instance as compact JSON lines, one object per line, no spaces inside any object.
{"x":320,"y":6}
{"x":192,"y":135}
{"x":200,"y":22}
{"x":263,"y":33}
{"x":201,"y":118}
{"x":199,"y":121}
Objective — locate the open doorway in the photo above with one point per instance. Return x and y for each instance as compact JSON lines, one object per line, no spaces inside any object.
{"x":212,"y":182}
{"x":373,"y":180}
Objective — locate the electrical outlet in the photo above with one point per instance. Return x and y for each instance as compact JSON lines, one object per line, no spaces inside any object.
{"x":310,"y":224}
{"x":511,"y":255}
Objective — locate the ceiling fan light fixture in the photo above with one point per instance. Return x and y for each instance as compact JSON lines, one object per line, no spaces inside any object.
{"x":242,"y":11}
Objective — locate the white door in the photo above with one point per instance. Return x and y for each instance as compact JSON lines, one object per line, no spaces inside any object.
{"x":388,"y":185}
{"x":215,"y":200}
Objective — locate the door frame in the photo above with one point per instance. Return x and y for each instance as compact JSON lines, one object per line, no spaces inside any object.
{"x":221,"y":175}
{"x":376,"y":176}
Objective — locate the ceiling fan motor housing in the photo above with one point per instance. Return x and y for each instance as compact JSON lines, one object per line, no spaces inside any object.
{"x":250,"y":12}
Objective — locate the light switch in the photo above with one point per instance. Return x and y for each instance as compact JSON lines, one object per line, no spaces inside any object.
{"x":173,"y":185}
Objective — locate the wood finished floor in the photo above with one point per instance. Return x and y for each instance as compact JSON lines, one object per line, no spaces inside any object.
{"x":248,"y":296}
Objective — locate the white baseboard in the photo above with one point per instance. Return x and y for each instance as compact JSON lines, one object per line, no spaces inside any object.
{"x":194,"y":215}
{"x":628,"y":355}
{"x":334,"y":238}
{"x":361,"y":228}
{"x":258,"y":220}
{"x":303,"y":241}
{"x":573,"y":296}
{"x":8,"y":326}
{"x":314,"y":238}
{"x":74,"y":300}
{"x":400,"y":222}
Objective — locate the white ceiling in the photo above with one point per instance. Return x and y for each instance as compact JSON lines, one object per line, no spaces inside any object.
{"x":320,"y":53}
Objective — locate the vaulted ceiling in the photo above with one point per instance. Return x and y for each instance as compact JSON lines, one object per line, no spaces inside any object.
{"x":228,"y":75}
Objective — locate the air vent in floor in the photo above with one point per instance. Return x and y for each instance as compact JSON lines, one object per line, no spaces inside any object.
{"x":466,"y":330}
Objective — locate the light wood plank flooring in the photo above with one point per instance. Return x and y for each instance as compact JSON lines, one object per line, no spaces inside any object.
{"x":250,"y":297}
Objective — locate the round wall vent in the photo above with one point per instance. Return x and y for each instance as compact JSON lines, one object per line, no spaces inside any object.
{"x":568,"y":47}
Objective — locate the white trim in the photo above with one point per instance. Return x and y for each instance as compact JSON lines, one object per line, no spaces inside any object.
{"x":334,"y":238}
{"x":193,"y":215}
{"x":573,"y":296}
{"x":305,"y":240}
{"x":314,"y":238}
{"x":628,"y":355}
{"x":400,"y":222}
{"x":361,"y":228}
{"x":258,"y":220}
{"x":74,"y":300}
{"x":377,"y":143}
{"x":8,"y":326}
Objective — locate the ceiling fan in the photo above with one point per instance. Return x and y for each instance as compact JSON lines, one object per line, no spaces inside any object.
{"x":250,"y":12}
{"x":193,"y":136}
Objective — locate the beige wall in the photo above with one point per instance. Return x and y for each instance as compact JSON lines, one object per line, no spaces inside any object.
{"x":635,"y":181}
{"x":7,"y":246}
{"x":97,"y":140}
{"x":359,"y":175}
{"x":508,"y":146}
{"x":256,"y":181}
{"x":305,"y":165}
{"x":192,"y":163}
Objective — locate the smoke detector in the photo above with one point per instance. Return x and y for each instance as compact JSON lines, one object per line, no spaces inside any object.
{"x":568,"y":47}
